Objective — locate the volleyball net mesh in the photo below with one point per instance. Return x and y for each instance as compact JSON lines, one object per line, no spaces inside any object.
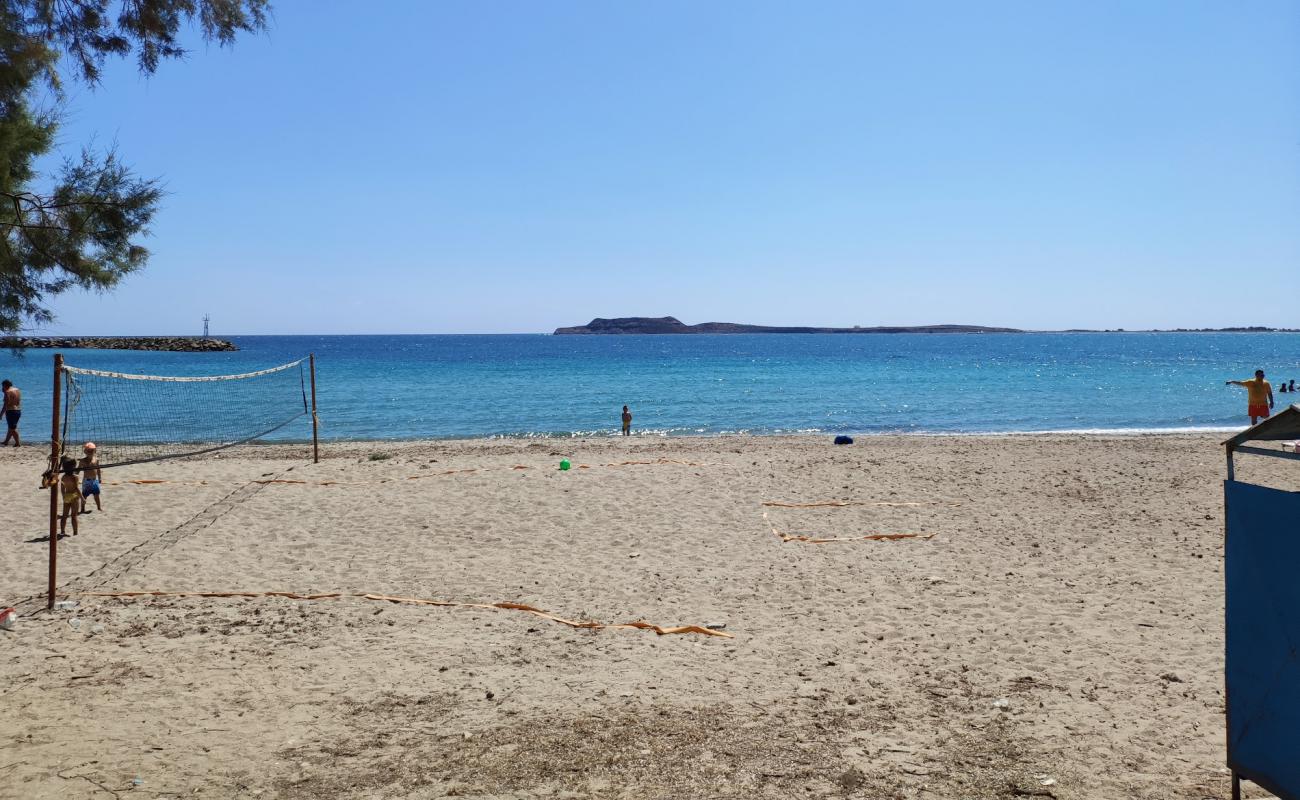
{"x":136,"y":418}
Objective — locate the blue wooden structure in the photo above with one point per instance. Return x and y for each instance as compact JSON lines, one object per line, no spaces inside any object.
{"x":1262,"y":617}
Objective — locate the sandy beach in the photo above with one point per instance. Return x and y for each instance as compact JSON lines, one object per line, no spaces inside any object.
{"x":1052,"y":628}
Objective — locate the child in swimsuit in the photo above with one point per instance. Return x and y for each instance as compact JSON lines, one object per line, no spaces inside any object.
{"x":72,"y":498}
{"x":90,"y":477}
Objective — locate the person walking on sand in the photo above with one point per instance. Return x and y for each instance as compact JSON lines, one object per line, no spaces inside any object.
{"x":1259,"y":396}
{"x":90,"y":477}
{"x":627,"y":422}
{"x":13,"y":408}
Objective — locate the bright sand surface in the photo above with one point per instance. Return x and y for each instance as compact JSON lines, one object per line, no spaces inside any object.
{"x":1061,"y":634}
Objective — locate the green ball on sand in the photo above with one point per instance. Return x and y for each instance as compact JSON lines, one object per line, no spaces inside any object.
{"x":564,"y":464}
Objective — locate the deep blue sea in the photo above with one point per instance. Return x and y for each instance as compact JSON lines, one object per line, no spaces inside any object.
{"x":405,"y":387}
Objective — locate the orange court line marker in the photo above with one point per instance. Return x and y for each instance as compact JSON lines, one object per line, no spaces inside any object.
{"x":846,"y":503}
{"x":588,"y":625}
{"x":147,"y":482}
{"x":592,"y":625}
{"x":875,"y":537}
{"x":871,"y":537}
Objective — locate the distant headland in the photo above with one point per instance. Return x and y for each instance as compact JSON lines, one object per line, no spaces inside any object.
{"x":186,"y":344}
{"x":1239,"y":329}
{"x":672,"y":325}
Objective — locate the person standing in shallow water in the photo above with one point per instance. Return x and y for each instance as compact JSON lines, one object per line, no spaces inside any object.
{"x":1259,"y":396}
{"x":627,"y":422}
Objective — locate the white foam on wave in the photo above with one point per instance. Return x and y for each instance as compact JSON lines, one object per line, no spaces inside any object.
{"x":596,"y":433}
{"x":703,"y":432}
{"x":1190,"y":429}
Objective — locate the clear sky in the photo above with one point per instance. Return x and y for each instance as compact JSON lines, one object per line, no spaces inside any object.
{"x":420,"y":166}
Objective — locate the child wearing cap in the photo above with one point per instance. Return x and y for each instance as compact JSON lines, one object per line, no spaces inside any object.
{"x":90,"y":477}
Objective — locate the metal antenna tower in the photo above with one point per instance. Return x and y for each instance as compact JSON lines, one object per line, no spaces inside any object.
{"x":205,"y":325}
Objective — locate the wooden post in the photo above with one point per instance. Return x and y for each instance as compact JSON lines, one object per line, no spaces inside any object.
{"x":315,"y":423}
{"x":1236,"y":786}
{"x":54,"y":485}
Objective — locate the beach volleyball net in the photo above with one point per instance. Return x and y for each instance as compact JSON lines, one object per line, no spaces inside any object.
{"x":139,"y":418}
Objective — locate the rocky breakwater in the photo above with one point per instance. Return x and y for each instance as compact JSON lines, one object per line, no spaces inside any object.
{"x":187,"y":344}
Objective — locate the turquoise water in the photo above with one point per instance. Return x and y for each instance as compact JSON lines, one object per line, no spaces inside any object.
{"x":404,"y":387}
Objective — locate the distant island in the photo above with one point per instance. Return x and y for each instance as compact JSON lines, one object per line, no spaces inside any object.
{"x":672,"y":325}
{"x":187,"y":344}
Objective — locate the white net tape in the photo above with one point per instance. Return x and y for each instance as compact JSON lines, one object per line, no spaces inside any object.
{"x":127,"y":376}
{"x":136,"y":418}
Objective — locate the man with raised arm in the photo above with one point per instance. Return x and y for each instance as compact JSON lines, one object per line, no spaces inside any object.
{"x":1259,"y":396}
{"x":13,"y":408}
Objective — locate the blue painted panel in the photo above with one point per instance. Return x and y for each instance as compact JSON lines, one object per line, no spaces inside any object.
{"x":1262,"y":571}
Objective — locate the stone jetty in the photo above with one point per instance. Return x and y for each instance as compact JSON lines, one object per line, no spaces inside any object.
{"x":187,"y":344}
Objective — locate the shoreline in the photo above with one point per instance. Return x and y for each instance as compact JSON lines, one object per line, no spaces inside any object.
{"x":396,"y":448}
{"x":797,"y":437}
{"x":567,"y":445}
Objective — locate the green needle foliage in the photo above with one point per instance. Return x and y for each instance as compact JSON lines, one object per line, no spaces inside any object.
{"x":81,"y":225}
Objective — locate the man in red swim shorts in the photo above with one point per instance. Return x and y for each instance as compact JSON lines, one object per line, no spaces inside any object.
{"x":1259,"y":396}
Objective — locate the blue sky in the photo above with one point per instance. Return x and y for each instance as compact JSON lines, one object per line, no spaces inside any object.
{"x":482,"y":166}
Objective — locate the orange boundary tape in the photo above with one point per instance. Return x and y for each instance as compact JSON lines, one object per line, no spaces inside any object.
{"x":846,"y":503}
{"x":588,"y":625}
{"x":872,"y":537}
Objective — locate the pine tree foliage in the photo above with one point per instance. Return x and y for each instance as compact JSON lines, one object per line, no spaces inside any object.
{"x":90,"y":31}
{"x":81,"y":226}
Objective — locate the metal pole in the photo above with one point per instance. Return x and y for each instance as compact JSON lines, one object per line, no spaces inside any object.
{"x":1236,"y":786}
{"x":1232,"y":472}
{"x":54,"y":483}
{"x":315,"y":423}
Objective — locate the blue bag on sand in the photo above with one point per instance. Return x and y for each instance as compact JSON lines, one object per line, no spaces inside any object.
{"x":843,"y":440}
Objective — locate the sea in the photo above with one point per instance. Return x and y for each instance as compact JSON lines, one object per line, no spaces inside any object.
{"x":470,"y":386}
